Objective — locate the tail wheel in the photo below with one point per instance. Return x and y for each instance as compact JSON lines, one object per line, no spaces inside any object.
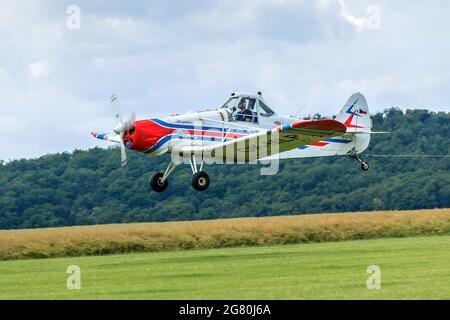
{"x":365,"y":166}
{"x":157,"y":184}
{"x":200,"y":181}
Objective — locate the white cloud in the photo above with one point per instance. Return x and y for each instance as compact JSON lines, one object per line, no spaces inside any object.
{"x":9,"y":124}
{"x":358,"y":23}
{"x":325,"y":4}
{"x":38,"y":69}
{"x":164,"y":58}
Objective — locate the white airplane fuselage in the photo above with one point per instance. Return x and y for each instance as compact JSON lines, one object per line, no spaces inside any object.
{"x":240,"y":123}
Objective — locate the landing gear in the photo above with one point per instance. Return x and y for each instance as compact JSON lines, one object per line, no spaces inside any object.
{"x":200,"y":179}
{"x":159,"y":182}
{"x":364,"y":165}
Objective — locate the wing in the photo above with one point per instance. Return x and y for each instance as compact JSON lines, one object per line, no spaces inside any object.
{"x":107,"y":136}
{"x":268,"y":143}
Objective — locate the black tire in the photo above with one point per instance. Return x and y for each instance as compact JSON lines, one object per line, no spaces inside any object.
{"x":200,"y":181}
{"x":365,"y":166}
{"x":157,"y":185}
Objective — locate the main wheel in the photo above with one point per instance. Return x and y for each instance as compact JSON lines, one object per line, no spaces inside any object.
{"x":200,"y":181}
{"x":365,"y":166}
{"x":157,"y":184}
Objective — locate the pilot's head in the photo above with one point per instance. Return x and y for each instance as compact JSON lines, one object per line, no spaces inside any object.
{"x":242,"y":105}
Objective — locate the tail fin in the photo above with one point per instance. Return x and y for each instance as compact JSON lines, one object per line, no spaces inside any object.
{"x":356,"y":117}
{"x":355,"y":114}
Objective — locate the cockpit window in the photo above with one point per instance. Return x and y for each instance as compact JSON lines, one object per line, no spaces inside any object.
{"x":246,"y":111}
{"x":230,"y":103}
{"x":264,"y":110}
{"x":251,"y":104}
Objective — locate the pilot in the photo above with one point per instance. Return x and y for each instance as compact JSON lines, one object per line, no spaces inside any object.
{"x":244,"y":114}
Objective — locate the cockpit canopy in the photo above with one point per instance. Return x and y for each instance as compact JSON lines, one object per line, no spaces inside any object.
{"x":247,"y":107}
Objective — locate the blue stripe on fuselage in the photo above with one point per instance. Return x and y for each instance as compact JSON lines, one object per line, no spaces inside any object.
{"x":168,"y":138}
{"x":191,"y":127}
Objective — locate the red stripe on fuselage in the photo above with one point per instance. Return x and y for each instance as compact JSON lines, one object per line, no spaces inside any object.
{"x":147,"y":133}
{"x":213,"y":134}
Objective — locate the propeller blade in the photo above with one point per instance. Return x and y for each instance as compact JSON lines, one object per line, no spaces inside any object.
{"x":123,"y":151}
{"x":118,"y":115}
{"x":121,"y":128}
{"x":129,"y":124}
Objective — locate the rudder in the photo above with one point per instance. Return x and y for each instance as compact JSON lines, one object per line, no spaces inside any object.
{"x":355,"y":114}
{"x":356,"y":117}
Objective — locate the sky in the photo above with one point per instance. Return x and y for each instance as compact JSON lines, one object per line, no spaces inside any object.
{"x":60,"y":61}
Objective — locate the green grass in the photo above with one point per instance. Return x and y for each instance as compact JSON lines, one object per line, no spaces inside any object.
{"x":412,"y":268}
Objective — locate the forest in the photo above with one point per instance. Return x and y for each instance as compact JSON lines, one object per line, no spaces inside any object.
{"x":88,"y":187}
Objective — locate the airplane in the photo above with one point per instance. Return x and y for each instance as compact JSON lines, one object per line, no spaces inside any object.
{"x":243,"y":130}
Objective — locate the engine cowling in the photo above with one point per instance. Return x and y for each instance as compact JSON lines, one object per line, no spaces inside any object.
{"x":144,"y":135}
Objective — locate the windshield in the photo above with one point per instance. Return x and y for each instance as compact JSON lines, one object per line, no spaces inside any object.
{"x":264,"y":110}
{"x":230,"y":103}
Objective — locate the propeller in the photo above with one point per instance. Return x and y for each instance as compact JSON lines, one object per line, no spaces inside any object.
{"x":121,"y":128}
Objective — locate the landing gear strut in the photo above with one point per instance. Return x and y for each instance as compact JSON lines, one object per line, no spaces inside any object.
{"x":159,"y":182}
{"x":200,"y":180}
{"x":364,"y":165}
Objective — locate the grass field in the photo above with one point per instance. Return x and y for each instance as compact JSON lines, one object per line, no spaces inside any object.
{"x":412,"y":268}
{"x":151,"y":237}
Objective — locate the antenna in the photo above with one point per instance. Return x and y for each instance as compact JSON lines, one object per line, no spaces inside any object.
{"x":300,"y":110}
{"x":409,"y":155}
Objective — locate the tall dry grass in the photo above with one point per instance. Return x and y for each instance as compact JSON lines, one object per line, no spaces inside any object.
{"x":145,"y":237}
